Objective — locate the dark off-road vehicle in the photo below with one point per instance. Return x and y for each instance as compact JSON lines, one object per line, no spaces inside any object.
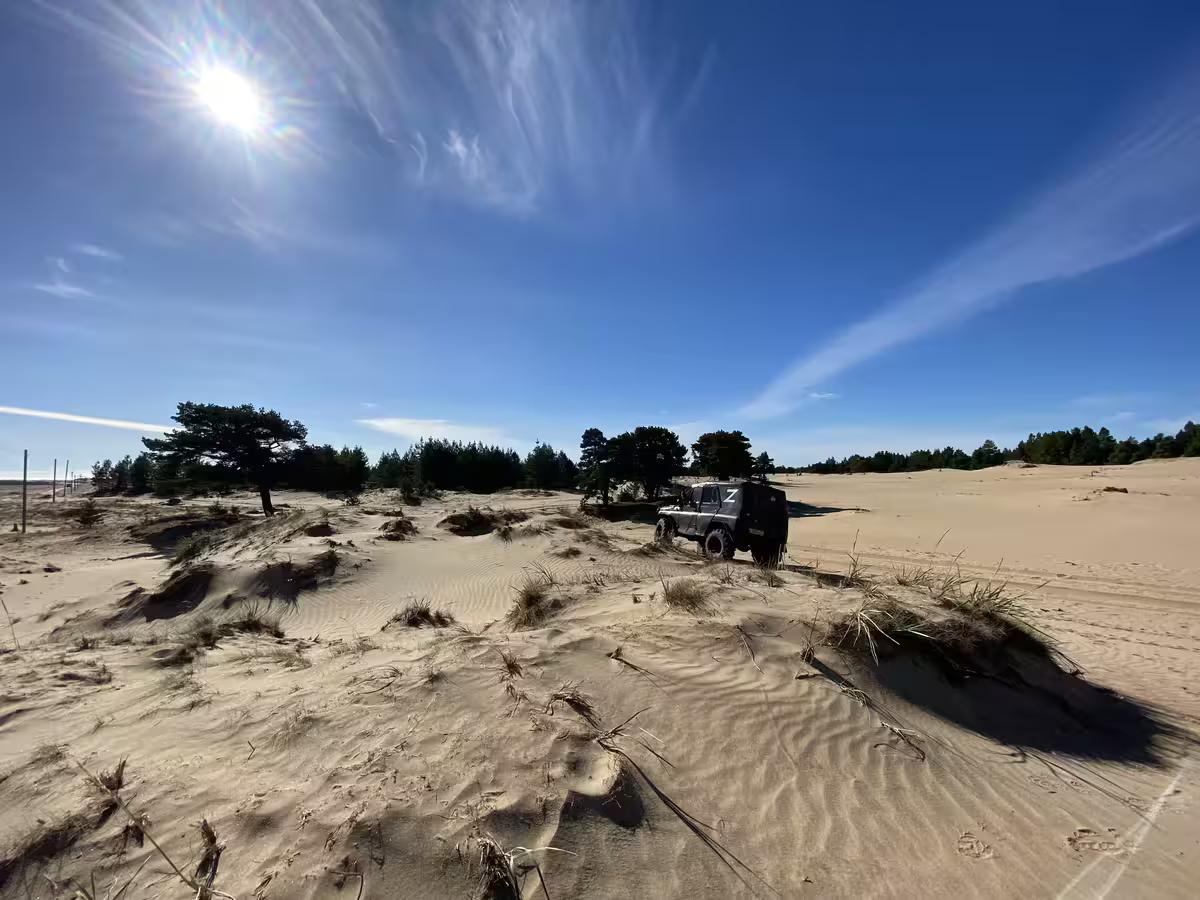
{"x":723,"y":516}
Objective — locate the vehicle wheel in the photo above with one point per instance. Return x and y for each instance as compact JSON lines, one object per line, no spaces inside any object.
{"x":664,"y":531}
{"x":718,"y":544}
{"x":766,"y":553}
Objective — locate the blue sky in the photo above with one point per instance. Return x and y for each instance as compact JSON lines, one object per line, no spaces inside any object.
{"x":838,"y":227}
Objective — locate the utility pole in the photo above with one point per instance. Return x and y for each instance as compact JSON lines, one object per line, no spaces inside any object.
{"x":66,"y":472}
{"x":54,"y":480}
{"x":24,"y":490}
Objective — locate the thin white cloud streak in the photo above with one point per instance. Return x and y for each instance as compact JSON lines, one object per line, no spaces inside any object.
{"x":63,"y":290}
{"x":1141,"y":190}
{"x":415,"y":429}
{"x":84,"y":420}
{"x":97,"y":252}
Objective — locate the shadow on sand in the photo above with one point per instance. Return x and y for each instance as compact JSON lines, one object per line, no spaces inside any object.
{"x":798,"y":510}
{"x":1035,"y":706}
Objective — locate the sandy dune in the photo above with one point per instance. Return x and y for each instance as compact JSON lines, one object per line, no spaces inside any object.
{"x":354,"y":753}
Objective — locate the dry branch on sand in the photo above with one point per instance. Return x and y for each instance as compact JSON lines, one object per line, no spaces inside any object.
{"x":206,"y":871}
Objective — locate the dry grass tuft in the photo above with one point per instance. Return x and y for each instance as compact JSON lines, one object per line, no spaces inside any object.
{"x":294,"y":723}
{"x":686,"y":594}
{"x":398,"y":529}
{"x":419,"y":614}
{"x":570,"y":695}
{"x":568,"y":552}
{"x":287,"y":655}
{"x":192,"y":548}
{"x":534,"y":603}
{"x":769,"y":577}
{"x":500,"y":874}
{"x":914,"y":576}
{"x":512,"y":668}
{"x":113,"y":780}
{"x":253,"y":619}
{"x":970,"y":631}
{"x":475,"y":520}
{"x":725,"y":574}
{"x":874,"y":622}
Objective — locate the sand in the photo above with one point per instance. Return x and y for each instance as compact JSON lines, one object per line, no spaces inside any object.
{"x":353,"y":755}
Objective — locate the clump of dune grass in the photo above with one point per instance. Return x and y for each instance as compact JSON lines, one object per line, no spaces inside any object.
{"x":568,"y":552}
{"x":725,"y":574}
{"x":914,"y":576}
{"x":534,"y":602}
{"x":686,"y":594}
{"x":287,"y":655}
{"x":475,"y":520}
{"x":420,"y":614}
{"x":511,"y":667}
{"x":400,"y":528}
{"x":203,"y":633}
{"x":192,"y":548}
{"x":972,"y":634}
{"x":873,"y":623}
{"x":254,"y":619}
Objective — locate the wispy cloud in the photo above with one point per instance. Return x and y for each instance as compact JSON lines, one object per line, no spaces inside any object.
{"x":823,"y":395}
{"x":503,"y":103}
{"x":1139,"y":191}
{"x":83,"y":420}
{"x":415,"y":429}
{"x":97,"y":252}
{"x":62,"y":289}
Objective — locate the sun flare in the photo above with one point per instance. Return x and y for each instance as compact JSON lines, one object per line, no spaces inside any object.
{"x":231,"y":99}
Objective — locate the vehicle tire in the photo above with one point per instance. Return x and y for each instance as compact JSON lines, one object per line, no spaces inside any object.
{"x":718,"y":544}
{"x":664,"y":531}
{"x":766,"y":553}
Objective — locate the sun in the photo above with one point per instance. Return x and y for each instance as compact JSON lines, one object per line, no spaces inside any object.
{"x":231,"y":99}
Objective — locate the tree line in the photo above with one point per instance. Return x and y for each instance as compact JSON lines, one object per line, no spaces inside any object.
{"x":216,"y":448}
{"x":1075,"y":447}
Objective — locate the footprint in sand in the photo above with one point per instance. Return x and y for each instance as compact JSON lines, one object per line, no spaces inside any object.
{"x":1087,"y":839}
{"x":969,"y":845}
